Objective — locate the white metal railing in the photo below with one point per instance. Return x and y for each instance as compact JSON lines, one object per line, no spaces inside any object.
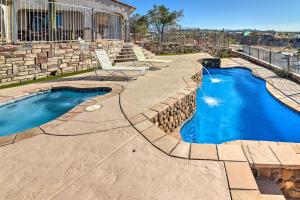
{"x":43,"y":21}
{"x":4,"y":25}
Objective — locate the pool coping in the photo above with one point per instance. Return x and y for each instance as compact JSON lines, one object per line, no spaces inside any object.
{"x":172,"y":144}
{"x":253,"y":159}
{"x":115,"y":89}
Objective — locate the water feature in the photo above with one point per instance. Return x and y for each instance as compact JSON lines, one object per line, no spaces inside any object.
{"x":211,"y":101}
{"x":213,"y":80}
{"x":239,"y":108}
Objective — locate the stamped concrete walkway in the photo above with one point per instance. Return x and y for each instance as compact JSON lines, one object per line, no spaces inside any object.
{"x":100,"y":155}
{"x":104,"y":157}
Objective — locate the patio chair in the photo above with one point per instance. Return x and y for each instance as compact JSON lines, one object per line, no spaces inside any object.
{"x":106,"y":66}
{"x":140,"y":56}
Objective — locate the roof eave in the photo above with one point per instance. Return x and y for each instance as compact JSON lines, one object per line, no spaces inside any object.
{"x":132,"y":8}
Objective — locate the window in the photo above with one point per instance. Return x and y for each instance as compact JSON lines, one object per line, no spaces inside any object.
{"x":40,"y":21}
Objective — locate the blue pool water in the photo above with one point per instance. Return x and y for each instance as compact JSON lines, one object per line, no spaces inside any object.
{"x":39,"y":109}
{"x":239,"y":107}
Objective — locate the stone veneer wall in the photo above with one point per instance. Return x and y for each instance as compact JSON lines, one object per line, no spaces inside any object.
{"x":181,"y":109}
{"x":38,"y":60}
{"x":170,"y":48}
{"x":288,"y":180}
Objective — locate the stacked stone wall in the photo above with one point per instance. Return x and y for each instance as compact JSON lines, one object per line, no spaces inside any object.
{"x":38,"y":60}
{"x":174,"y":111}
{"x":170,"y":48}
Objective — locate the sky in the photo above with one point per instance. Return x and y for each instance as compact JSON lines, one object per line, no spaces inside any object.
{"x":280,"y":15}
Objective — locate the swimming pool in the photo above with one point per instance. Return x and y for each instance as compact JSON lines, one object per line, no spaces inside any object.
{"x":41,"y":108}
{"x":237,"y":106}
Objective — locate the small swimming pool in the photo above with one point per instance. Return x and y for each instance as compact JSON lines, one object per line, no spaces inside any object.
{"x":41,"y":108}
{"x":237,"y":106}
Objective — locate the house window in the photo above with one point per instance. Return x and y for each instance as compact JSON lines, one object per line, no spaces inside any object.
{"x":40,"y":21}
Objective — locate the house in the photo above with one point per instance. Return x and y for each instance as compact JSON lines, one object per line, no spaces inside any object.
{"x":65,"y":20}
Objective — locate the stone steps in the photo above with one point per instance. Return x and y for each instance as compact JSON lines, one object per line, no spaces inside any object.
{"x":124,"y":60}
{"x":126,"y":54}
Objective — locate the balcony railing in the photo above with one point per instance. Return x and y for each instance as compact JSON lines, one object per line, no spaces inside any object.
{"x":24,"y":21}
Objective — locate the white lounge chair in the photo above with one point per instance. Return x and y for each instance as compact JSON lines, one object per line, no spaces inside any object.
{"x":140,"y":56}
{"x":106,"y":65}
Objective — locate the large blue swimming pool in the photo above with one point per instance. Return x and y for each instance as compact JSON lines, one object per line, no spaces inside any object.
{"x":36,"y":110}
{"x":237,"y":106}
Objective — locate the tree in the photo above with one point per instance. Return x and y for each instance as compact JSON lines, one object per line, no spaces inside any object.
{"x":161,"y":17}
{"x":139,"y":26}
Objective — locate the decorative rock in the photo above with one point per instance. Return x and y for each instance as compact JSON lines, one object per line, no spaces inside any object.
{"x":172,"y":112}
{"x":288,"y":185}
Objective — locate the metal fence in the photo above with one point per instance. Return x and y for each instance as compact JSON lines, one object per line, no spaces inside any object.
{"x":190,"y":36}
{"x":4,"y":25}
{"x":284,"y":61}
{"x":36,"y":21}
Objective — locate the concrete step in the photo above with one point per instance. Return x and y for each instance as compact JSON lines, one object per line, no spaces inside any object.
{"x":125,"y":56}
{"x":272,"y":197}
{"x":126,"y":53}
{"x":126,"y":49}
{"x":124,"y":60}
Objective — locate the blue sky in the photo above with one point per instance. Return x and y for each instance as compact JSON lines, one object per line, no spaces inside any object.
{"x":281,"y":15}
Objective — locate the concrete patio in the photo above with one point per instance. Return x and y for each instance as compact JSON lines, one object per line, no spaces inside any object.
{"x":102,"y":155}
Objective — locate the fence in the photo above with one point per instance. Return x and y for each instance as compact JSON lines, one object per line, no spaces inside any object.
{"x":37,"y":21}
{"x":190,"y":36}
{"x":284,"y":61}
{"x":4,"y":26}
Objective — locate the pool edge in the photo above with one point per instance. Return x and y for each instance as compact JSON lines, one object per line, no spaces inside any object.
{"x":114,"y":89}
{"x":168,"y":143}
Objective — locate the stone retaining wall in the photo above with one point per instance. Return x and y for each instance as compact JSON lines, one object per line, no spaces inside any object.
{"x":288,"y":180}
{"x":174,"y":111}
{"x":170,"y":48}
{"x":38,"y":60}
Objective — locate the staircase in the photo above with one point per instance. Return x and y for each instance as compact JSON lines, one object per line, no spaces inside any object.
{"x":127,"y":55}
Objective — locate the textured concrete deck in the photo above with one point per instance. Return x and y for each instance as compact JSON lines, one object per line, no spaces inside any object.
{"x":100,"y":155}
